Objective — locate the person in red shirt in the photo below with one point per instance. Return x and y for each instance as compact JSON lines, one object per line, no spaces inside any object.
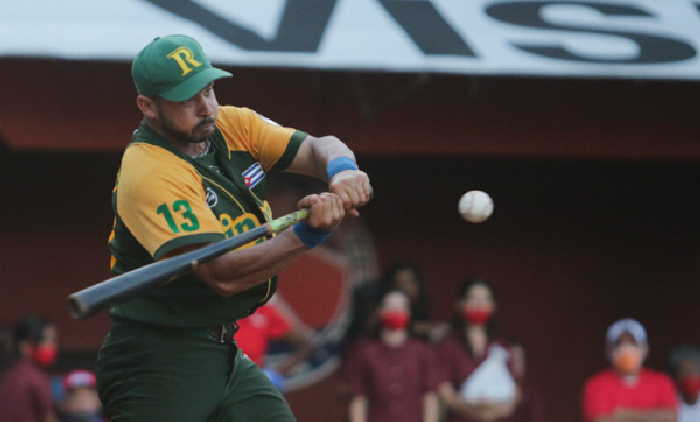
{"x":25,"y":392}
{"x":628,"y":392}
{"x":268,"y":323}
{"x":392,"y":377}
{"x":256,"y":331}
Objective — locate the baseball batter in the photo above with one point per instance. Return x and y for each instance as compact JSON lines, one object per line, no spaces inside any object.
{"x":196,"y":173}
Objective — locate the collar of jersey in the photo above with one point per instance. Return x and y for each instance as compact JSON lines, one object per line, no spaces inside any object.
{"x":234,"y":183}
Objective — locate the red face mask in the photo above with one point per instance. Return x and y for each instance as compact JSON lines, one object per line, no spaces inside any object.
{"x":44,"y":355}
{"x":478,"y":316}
{"x":394,"y":320}
{"x":691,"y":385}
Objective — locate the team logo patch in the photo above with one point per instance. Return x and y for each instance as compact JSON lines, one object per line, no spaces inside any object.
{"x":212,"y":198}
{"x":253,"y":175}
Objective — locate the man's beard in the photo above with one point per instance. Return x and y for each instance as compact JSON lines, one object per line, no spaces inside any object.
{"x":180,"y":136}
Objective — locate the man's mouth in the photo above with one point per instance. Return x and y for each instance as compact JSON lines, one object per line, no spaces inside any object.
{"x":205,"y":124}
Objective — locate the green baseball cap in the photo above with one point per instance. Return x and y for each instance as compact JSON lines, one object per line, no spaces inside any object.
{"x":173,"y":67}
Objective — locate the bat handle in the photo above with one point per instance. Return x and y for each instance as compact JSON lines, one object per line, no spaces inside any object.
{"x":279,"y":224}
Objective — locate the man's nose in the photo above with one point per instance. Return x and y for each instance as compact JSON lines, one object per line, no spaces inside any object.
{"x":205,"y":107}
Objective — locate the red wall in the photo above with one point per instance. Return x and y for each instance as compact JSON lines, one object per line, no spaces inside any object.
{"x":572,"y":246}
{"x":83,"y":106}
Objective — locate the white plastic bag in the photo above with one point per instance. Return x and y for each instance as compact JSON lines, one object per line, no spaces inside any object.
{"x":492,"y":380}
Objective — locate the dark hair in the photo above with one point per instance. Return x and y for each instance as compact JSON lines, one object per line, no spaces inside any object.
{"x":6,"y":351}
{"x":29,"y":328}
{"x":683,"y":353}
{"x":459,"y":324}
{"x":420,"y":309}
{"x":365,"y":297}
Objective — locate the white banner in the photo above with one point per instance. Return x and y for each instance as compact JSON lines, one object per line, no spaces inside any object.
{"x":650,"y":39}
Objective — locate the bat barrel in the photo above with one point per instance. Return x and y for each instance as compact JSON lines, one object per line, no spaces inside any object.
{"x":76,"y":306}
{"x":88,"y":301}
{"x":81,"y":304}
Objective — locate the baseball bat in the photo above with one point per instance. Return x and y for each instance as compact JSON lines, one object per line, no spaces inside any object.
{"x":90,"y":300}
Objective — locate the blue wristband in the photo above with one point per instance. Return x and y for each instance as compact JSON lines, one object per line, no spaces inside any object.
{"x":308,"y":235}
{"x":339,"y":164}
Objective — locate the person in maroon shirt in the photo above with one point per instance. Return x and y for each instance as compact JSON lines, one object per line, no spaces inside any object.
{"x":483,"y":377}
{"x":628,"y":392}
{"x":25,"y":392}
{"x":392,"y":377}
{"x":408,"y":279}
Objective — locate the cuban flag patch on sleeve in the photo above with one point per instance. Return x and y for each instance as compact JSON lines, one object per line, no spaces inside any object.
{"x":253,"y":175}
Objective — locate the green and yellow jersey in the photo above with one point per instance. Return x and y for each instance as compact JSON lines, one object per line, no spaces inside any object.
{"x":165,"y":201}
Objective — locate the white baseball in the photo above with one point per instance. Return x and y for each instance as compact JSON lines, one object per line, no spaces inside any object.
{"x":476,"y":206}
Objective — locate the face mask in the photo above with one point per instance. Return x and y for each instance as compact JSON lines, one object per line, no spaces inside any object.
{"x":691,"y":385}
{"x":394,"y":320}
{"x":44,"y":355}
{"x":477,"y":316}
{"x":628,"y":360}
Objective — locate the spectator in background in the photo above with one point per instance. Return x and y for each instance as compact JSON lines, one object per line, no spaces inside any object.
{"x":80,"y":403}
{"x":483,"y":376}
{"x":685,"y":362}
{"x":628,"y":392}
{"x":267,"y":323}
{"x":25,"y":392}
{"x":6,"y":346}
{"x":408,"y":279}
{"x":365,"y":298}
{"x":392,"y":377}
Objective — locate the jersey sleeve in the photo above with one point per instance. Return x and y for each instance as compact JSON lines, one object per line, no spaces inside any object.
{"x":41,"y":397}
{"x":597,"y":402}
{"x":446,"y":368}
{"x":161,"y":200}
{"x":668,"y":398}
{"x":355,"y":372}
{"x":430,"y":378}
{"x":274,"y":146}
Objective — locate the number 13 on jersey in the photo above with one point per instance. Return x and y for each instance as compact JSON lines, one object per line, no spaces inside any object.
{"x":180,"y":208}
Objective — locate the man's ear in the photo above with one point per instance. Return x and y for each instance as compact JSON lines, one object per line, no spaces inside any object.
{"x":148,"y":106}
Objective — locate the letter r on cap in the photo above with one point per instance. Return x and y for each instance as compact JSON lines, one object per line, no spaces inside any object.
{"x":183,"y":56}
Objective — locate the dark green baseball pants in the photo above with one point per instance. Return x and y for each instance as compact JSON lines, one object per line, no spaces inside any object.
{"x":147,"y":374}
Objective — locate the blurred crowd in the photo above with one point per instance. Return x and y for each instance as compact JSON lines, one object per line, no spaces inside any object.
{"x":401,"y":366}
{"x":398,"y":365}
{"x":28,"y":393}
